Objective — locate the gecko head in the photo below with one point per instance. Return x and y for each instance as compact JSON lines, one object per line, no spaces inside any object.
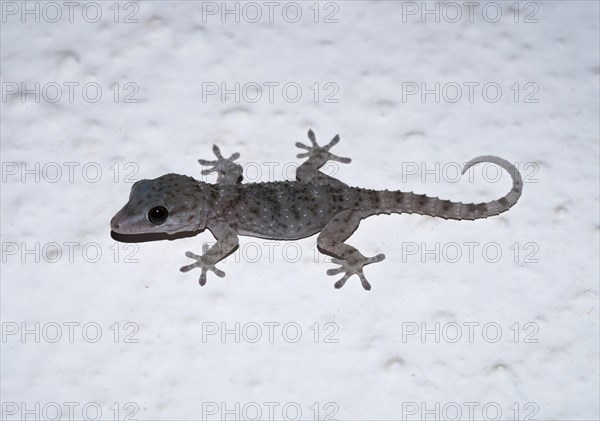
{"x":168,"y":204}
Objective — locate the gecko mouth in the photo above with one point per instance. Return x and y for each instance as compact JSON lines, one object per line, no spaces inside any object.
{"x":143,"y":237}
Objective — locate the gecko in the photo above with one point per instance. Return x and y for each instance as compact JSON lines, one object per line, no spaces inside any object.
{"x":285,"y":210}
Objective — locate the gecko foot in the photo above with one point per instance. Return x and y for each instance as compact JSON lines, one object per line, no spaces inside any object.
{"x":321,"y":152}
{"x":201,"y":263}
{"x":227,"y":169}
{"x":355,"y":267}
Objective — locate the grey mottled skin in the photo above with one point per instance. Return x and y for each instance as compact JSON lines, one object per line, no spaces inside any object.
{"x":284,"y":210}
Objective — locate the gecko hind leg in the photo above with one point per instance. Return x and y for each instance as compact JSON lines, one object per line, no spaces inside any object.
{"x":320,"y":153}
{"x":354,"y":268}
{"x":351,"y":261}
{"x":317,"y":157}
{"x":204,"y":266}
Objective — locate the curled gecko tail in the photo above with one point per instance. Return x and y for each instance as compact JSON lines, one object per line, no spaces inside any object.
{"x":457,"y":210}
{"x":496,"y":207}
{"x":401,"y":202}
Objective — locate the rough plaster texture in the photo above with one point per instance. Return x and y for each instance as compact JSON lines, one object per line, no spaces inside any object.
{"x":376,"y":369}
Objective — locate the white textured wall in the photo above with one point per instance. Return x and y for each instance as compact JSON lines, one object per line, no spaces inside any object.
{"x":548,"y":292}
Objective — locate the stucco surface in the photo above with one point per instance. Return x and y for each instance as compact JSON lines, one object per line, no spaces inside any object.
{"x":476,"y":317}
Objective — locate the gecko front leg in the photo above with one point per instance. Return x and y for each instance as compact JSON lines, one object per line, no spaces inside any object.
{"x":227,"y":241}
{"x":229,"y":172}
{"x":331,"y":241}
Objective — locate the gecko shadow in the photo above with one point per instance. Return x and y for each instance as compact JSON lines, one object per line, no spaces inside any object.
{"x":144,"y":238}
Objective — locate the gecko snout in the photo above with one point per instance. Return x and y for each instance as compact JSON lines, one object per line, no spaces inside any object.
{"x":118,"y":222}
{"x":114,"y":224}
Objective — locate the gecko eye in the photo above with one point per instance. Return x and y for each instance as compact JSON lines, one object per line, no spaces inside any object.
{"x":158,"y":215}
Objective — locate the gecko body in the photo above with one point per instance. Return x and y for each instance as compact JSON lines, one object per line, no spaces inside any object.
{"x":284,"y":210}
